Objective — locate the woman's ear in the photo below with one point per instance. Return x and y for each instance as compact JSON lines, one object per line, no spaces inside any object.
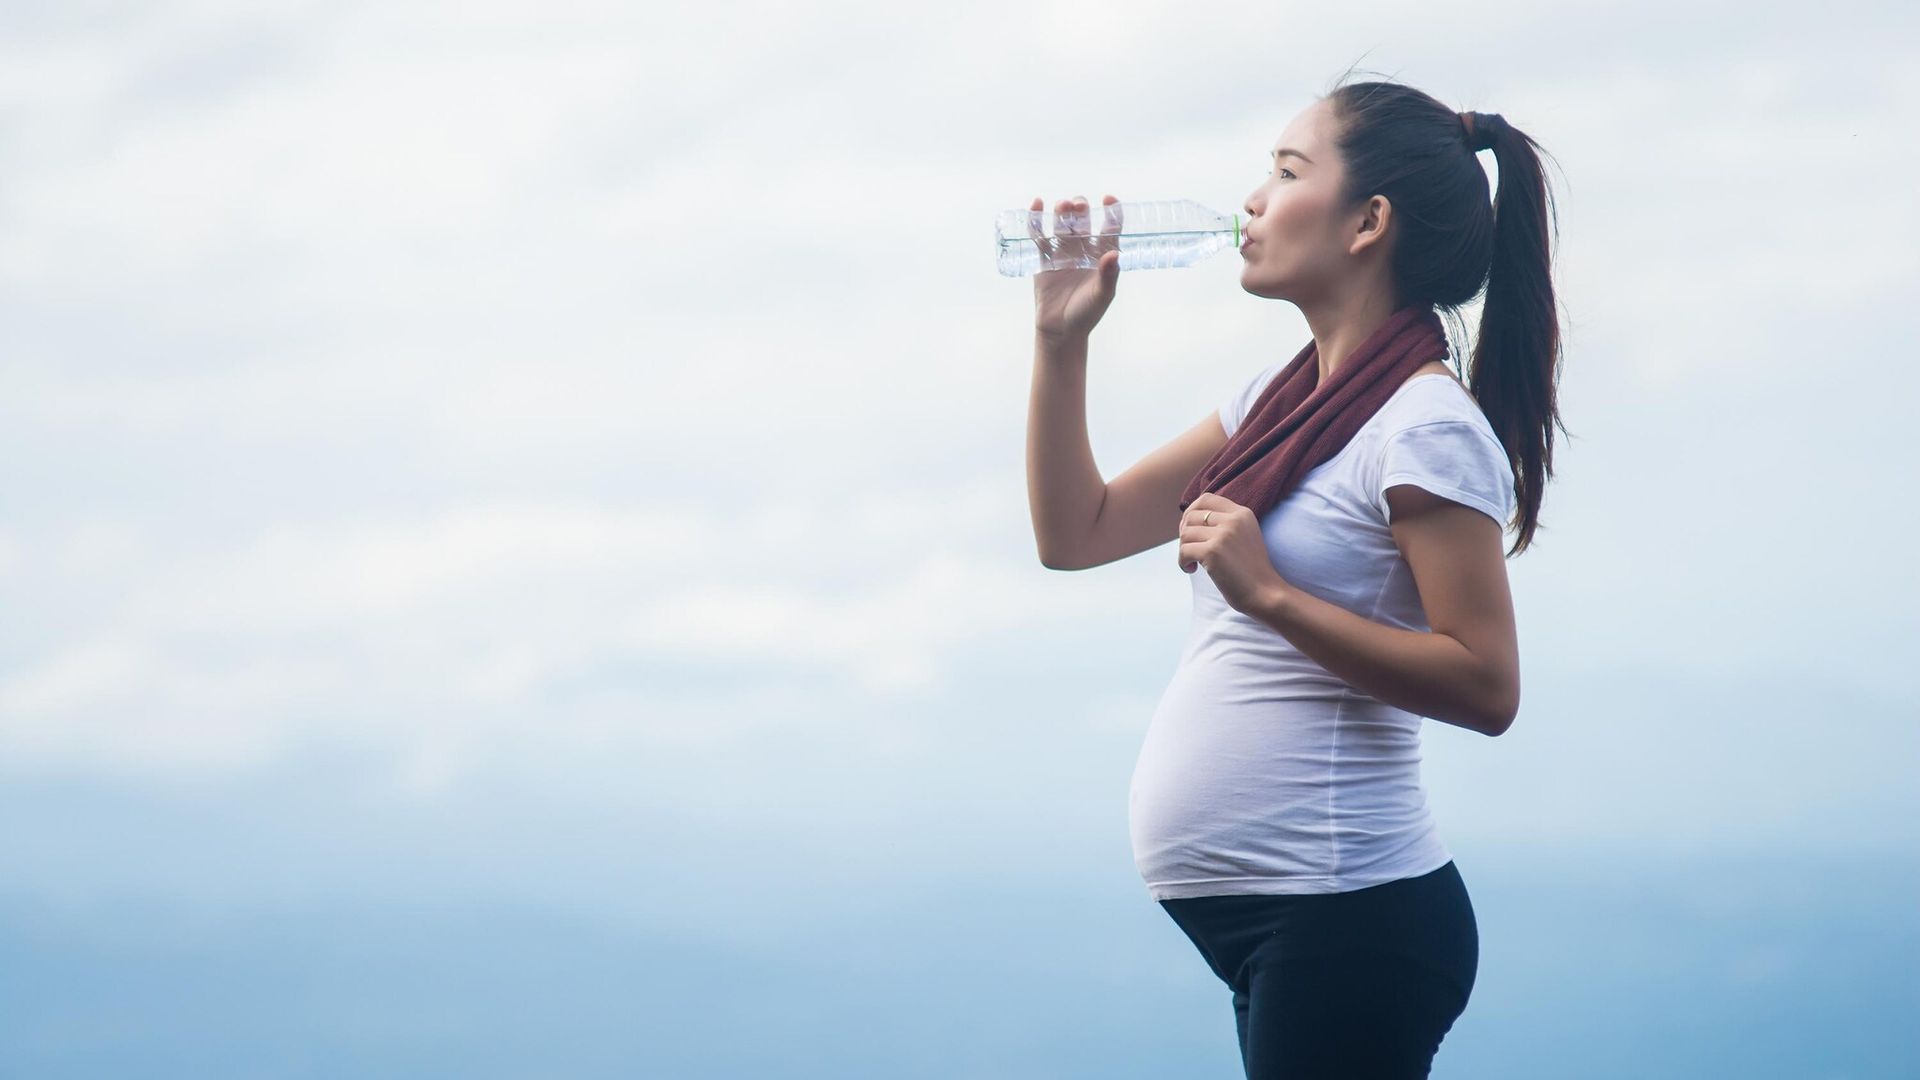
{"x":1374,"y":217}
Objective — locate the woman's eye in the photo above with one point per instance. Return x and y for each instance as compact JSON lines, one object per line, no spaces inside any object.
{"x":1286,"y":172}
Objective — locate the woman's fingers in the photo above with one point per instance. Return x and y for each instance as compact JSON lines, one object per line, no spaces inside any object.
{"x":1110,"y":223}
{"x":1071,"y":216}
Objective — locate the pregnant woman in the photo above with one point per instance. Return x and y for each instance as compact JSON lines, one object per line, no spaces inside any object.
{"x":1343,"y":517}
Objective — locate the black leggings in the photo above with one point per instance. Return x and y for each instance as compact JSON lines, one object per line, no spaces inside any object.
{"x":1354,"y":985}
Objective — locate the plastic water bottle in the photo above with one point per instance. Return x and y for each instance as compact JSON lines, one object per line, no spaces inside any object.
{"x":1149,"y":236}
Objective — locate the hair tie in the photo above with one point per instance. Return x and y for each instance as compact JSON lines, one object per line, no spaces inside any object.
{"x":1481,"y":129}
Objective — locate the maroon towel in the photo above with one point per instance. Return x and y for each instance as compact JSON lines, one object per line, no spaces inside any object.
{"x":1295,"y":425}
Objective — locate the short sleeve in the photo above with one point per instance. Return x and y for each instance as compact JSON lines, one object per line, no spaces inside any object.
{"x":1235,"y":408}
{"x":1454,"y":459}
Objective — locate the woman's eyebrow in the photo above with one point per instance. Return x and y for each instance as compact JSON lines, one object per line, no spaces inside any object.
{"x":1284,"y":150}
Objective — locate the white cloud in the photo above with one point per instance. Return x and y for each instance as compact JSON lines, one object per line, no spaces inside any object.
{"x":413,"y":376}
{"x":455,"y":622}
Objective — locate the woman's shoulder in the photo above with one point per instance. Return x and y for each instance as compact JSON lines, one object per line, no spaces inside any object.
{"x":1430,"y":397}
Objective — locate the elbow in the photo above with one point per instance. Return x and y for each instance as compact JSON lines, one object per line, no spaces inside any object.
{"x":1502,"y":718}
{"x":1053,"y":561}
{"x":1058,"y":555}
{"x":1047,"y":556}
{"x":1499,"y":698}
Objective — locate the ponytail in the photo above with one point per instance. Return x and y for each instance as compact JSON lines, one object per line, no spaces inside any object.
{"x":1456,"y":240}
{"x":1517,"y":353}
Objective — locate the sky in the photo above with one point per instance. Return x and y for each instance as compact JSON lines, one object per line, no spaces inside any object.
{"x":515,"y":557}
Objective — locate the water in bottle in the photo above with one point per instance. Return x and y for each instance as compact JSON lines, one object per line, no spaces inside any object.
{"x":1148,"y":235}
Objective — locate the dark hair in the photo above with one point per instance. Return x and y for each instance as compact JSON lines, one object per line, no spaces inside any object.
{"x":1405,"y":145}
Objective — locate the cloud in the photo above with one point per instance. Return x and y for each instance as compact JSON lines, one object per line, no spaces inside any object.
{"x":418,"y":381}
{"x":457,"y":621}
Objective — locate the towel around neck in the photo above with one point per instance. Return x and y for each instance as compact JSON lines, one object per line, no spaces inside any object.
{"x":1295,"y":424}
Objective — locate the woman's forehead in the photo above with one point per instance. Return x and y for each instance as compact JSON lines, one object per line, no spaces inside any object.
{"x":1306,"y":130}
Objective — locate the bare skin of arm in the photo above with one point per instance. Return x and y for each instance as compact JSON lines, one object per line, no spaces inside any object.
{"x":1081,"y":521}
{"x":1466,"y":670}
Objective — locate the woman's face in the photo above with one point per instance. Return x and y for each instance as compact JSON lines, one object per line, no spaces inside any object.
{"x":1299,"y":234}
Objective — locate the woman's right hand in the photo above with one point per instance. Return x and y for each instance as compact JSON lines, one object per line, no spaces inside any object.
{"x":1068,"y":303}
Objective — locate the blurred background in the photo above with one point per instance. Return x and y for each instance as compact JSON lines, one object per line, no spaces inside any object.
{"x":515,"y":560}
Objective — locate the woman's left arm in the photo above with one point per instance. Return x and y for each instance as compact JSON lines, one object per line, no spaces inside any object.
{"x":1466,"y":672}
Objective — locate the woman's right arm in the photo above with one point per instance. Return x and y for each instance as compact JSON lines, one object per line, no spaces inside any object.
{"x":1079,"y":520}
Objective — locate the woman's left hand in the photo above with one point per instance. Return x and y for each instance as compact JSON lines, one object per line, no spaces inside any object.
{"x":1232,"y":548}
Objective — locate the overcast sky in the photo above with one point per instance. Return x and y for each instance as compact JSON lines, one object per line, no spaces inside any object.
{"x":538,"y":449}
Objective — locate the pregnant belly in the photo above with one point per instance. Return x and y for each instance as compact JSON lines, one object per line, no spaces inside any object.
{"x":1271,"y":788}
{"x":1229,"y":791}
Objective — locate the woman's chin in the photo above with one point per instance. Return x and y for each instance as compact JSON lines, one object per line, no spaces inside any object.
{"x":1252,"y":281}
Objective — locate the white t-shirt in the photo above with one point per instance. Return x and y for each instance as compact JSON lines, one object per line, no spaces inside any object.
{"x":1262,"y":772}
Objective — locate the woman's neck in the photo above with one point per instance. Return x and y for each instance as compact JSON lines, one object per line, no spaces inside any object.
{"x":1339,"y":327}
